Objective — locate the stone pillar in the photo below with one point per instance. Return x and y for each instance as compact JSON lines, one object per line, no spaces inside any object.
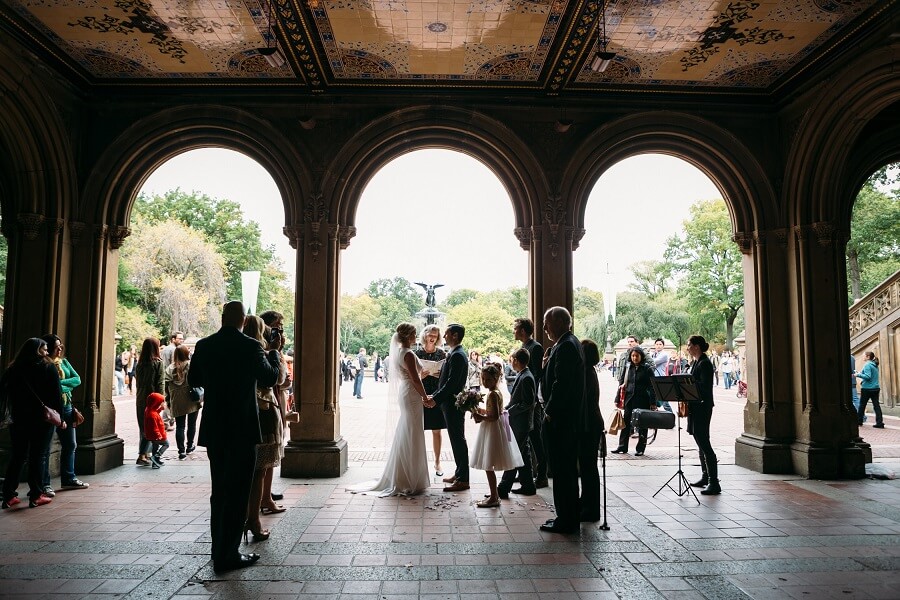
{"x":316,"y":448}
{"x":765,"y":444}
{"x":91,"y":345}
{"x":826,"y":435}
{"x":550,"y":278}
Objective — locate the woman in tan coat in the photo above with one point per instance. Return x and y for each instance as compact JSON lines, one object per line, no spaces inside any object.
{"x":181,"y":406}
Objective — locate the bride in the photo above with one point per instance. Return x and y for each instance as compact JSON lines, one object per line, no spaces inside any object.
{"x":406,"y":472}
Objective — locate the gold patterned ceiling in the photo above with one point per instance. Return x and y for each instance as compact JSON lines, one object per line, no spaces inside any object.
{"x":713,"y":45}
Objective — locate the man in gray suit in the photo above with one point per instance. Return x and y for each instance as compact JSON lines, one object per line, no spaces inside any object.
{"x":228,"y":365}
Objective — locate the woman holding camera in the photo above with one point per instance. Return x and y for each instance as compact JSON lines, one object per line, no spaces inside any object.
{"x":271,"y":425}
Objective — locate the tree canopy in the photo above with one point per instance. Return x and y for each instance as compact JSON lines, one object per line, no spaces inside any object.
{"x":873,"y":250}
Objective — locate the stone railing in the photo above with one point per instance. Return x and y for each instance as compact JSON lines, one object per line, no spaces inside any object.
{"x":874,"y":307}
{"x":875,"y":327}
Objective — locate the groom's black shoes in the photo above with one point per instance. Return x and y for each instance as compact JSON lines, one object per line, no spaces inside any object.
{"x":503,"y":492}
{"x":457,"y":486}
{"x":242,"y":560}
{"x":524,"y":491}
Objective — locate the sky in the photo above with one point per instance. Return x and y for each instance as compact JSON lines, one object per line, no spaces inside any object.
{"x":442,"y":217}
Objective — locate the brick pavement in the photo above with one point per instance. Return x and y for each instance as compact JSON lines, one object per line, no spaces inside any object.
{"x":140,"y":533}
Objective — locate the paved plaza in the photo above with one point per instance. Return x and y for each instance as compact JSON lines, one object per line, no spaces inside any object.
{"x":142,"y":533}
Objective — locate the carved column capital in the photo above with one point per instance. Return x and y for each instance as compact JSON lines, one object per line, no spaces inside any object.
{"x":30,"y":224}
{"x":117,"y":236}
{"x":781,"y":236}
{"x":744,"y":241}
{"x":574,"y":236}
{"x":76,"y":232}
{"x":524,"y":235}
{"x":100,"y":233}
{"x":554,"y":216}
{"x":824,"y":232}
{"x":294,"y":234}
{"x":345,"y":234}
{"x":315,"y":214}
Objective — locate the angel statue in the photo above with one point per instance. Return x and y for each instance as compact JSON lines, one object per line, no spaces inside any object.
{"x":429,"y":292}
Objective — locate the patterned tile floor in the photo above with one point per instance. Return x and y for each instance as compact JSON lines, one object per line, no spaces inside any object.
{"x":138,"y":533}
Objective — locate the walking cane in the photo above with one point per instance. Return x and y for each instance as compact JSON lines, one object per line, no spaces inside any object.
{"x":604,"y":526}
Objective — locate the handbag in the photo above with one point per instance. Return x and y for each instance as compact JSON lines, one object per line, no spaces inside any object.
{"x":48,"y":414}
{"x":196,"y":394}
{"x":616,"y":422}
{"x":684,"y":409}
{"x":78,"y":418}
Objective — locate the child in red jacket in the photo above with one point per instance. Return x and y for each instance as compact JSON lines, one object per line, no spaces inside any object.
{"x":155,"y":428}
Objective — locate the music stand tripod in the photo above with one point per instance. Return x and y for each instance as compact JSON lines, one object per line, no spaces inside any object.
{"x":677,"y":388}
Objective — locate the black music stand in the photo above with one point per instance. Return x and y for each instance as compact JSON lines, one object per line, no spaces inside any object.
{"x":677,"y":388}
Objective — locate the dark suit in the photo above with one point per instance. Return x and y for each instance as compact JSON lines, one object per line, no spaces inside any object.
{"x":535,"y":358}
{"x":453,"y":378}
{"x":563,"y":391}
{"x":700,"y":416}
{"x":590,"y":442}
{"x":521,"y":419}
{"x":229,"y":365}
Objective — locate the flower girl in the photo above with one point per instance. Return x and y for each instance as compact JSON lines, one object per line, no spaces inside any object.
{"x":495,"y":448}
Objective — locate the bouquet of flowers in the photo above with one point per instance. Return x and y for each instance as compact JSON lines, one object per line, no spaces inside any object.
{"x":469,"y":400}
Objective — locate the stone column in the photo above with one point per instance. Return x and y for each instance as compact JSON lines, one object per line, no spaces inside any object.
{"x":91,"y":345}
{"x":765,"y":444}
{"x":316,"y":448}
{"x":552,"y":243}
{"x":825,"y":446}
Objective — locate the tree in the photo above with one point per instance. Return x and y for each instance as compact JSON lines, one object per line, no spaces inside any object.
{"x":134,"y":324}
{"x":457,"y":297}
{"x":238,"y":241}
{"x":399,"y":289}
{"x":710,"y":264}
{"x":589,"y":315}
{"x":488,"y":327}
{"x":873,"y":251}
{"x":357,"y":314}
{"x":651,"y":277}
{"x":177,"y":274}
{"x":513,"y":300}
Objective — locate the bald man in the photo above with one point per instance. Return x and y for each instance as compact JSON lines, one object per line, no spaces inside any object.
{"x":228,"y":365}
{"x":563,"y":391}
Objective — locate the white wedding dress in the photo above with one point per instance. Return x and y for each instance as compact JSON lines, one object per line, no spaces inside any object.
{"x":406,"y":472}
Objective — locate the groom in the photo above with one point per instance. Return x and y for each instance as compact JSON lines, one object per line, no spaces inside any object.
{"x":454,"y":374}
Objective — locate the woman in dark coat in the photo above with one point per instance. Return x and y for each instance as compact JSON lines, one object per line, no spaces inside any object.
{"x":638,"y":394}
{"x":150,"y":378}
{"x":31,"y":380}
{"x":700,"y":415}
{"x":591,"y":441}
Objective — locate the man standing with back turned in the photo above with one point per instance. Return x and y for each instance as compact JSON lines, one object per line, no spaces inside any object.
{"x":229,"y":365}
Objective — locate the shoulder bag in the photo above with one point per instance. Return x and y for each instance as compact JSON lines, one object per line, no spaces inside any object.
{"x":47,"y":414}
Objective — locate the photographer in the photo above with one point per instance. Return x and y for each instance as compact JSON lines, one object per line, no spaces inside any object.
{"x":275,"y":321}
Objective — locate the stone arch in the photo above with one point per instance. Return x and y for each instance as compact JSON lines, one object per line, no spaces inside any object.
{"x":42,"y":175}
{"x":824,"y":169}
{"x":420,"y":127}
{"x":149,"y":142}
{"x":713,"y":150}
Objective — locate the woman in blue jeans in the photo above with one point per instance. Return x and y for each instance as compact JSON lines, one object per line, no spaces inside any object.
{"x":30,"y":383}
{"x":68,"y":381}
{"x":869,"y":390}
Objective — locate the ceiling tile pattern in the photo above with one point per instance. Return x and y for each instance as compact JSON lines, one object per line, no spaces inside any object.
{"x":530,"y":44}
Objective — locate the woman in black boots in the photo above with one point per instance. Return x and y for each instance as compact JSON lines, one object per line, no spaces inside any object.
{"x":701,"y":415}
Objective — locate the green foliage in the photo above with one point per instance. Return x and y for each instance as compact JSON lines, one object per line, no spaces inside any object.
{"x":873,"y":251}
{"x":513,"y":300}
{"x":709,"y":263}
{"x":134,"y":324}
{"x":589,"y":315}
{"x":176,"y":274}
{"x":401,"y":290}
{"x":488,"y":326}
{"x":238,"y":241}
{"x":636,"y":315}
{"x":457,"y":297}
{"x":652,"y":277}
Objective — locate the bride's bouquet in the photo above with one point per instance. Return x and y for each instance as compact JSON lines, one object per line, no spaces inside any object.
{"x":468,"y":400}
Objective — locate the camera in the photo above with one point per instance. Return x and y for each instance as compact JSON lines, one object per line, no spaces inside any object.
{"x":275,"y":337}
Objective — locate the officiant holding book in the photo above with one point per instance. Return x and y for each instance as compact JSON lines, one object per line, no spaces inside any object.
{"x":432,"y":359}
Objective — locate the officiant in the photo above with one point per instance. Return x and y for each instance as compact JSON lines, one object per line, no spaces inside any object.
{"x":434,"y":418}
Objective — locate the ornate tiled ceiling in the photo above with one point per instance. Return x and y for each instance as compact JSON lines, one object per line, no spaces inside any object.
{"x":547,"y":45}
